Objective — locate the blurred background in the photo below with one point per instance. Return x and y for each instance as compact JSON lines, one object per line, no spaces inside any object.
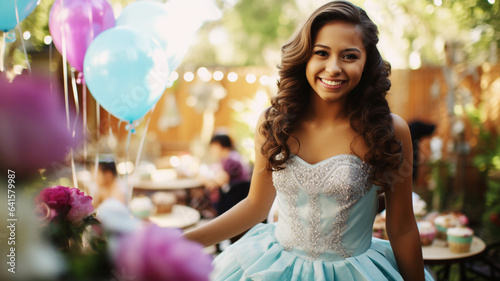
{"x":445,"y":84}
{"x":444,"y":56}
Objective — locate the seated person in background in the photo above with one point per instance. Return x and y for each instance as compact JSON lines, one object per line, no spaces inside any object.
{"x":418,"y":131}
{"x":228,"y":173}
{"x":107,"y":184}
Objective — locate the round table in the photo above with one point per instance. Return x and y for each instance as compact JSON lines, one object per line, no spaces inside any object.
{"x":182,"y":187}
{"x":180,"y":217}
{"x":173,"y":184}
{"x":439,"y":254}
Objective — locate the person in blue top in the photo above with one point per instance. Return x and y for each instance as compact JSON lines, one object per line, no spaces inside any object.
{"x":324,"y":150}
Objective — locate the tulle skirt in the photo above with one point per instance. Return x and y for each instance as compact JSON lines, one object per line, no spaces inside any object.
{"x":259,"y":256}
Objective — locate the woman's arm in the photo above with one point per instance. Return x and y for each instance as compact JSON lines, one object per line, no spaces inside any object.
{"x":248,"y":212}
{"x":400,"y":221}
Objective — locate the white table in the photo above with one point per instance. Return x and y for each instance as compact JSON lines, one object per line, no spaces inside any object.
{"x":174,"y":184}
{"x":180,"y":217}
{"x":439,"y":254}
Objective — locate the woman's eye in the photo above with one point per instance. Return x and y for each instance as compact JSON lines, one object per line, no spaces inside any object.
{"x":350,"y":57}
{"x":321,"y":53}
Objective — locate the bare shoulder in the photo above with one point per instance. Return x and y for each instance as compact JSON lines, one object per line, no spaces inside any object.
{"x":259,"y":137}
{"x":262,"y":116}
{"x":401,"y":129}
{"x":262,"y":119}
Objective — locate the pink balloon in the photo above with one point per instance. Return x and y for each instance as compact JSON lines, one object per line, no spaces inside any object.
{"x":75,"y":23}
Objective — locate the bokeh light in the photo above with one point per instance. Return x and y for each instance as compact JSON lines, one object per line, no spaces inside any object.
{"x":232,"y":76}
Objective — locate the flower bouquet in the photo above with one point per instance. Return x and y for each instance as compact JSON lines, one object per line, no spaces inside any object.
{"x":65,"y":214}
{"x":111,"y":244}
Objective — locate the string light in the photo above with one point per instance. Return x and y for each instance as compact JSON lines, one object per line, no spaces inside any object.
{"x":188,"y":76}
{"x":173,"y":76}
{"x":251,"y":78}
{"x":218,"y":75}
{"x":265,"y":80}
{"x":26,"y":35}
{"x":232,"y":76}
{"x":47,"y":40}
{"x":204,"y":74}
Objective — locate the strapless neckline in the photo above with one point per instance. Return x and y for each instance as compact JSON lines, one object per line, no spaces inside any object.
{"x":331,"y":158}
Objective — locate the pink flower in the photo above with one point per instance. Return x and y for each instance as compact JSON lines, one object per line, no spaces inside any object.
{"x":154,"y":253}
{"x":81,"y":206}
{"x":64,"y":203}
{"x":44,"y":212}
{"x":57,"y":198}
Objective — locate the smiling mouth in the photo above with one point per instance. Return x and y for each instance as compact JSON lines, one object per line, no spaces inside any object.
{"x":331,"y":82}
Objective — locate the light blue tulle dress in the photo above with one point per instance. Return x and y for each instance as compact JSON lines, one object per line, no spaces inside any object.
{"x":324,"y":229}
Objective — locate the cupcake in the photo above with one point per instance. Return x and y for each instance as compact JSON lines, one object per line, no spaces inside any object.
{"x":164,"y":202}
{"x":427,"y":232}
{"x":459,"y":239}
{"x":141,"y":206}
{"x":448,"y":220}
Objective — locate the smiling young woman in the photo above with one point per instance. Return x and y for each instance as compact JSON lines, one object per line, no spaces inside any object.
{"x":337,"y":62}
{"x":324,"y":150}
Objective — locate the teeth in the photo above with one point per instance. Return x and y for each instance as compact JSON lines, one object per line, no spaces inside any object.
{"x":332,"y":83}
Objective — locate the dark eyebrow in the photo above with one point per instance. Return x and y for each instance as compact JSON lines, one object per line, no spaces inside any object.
{"x":345,"y":50}
{"x":352,"y":50}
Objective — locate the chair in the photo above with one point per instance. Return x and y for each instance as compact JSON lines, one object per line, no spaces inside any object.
{"x":227,"y":200}
{"x":488,"y":264}
{"x":235,"y":194}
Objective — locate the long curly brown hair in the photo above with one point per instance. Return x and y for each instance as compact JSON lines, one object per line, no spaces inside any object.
{"x":367,"y":109}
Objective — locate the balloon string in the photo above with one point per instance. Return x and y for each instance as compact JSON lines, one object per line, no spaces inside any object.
{"x":130,"y":189}
{"x":50,"y":68}
{"x":2,"y":52}
{"x":120,"y":124}
{"x":109,"y":122}
{"x":66,"y":103}
{"x":73,"y":168}
{"x":98,"y":137}
{"x":65,"y":75}
{"x":22,"y":39}
{"x":75,"y":97}
{"x":84,"y":109}
{"x":144,"y":137}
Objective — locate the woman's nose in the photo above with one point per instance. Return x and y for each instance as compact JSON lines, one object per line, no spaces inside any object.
{"x":333,"y":67}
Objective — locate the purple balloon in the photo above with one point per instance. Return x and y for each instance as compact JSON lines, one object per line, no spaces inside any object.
{"x":77,"y":23}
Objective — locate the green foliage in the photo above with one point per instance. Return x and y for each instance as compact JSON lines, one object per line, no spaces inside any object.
{"x":487,"y":160}
{"x":37,"y":23}
{"x":488,"y":146}
{"x":256,"y":28}
{"x":482,"y":21}
{"x":491,"y":216}
{"x":440,"y":179}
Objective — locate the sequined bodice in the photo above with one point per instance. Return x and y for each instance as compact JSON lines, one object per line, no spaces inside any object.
{"x":325,"y":210}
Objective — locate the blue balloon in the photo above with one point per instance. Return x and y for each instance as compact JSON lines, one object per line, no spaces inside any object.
{"x":8,"y":19}
{"x":153,"y":18}
{"x":126,"y":71}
